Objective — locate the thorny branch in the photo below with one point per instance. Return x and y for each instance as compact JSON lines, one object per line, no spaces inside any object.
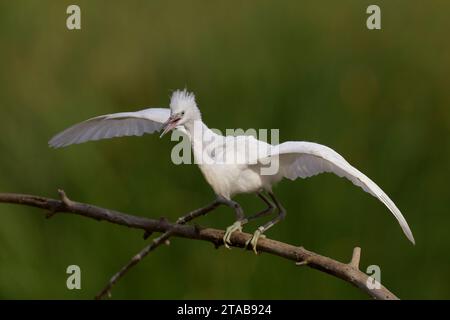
{"x":348,"y":272}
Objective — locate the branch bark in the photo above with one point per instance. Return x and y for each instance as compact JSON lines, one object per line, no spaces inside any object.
{"x":348,"y":272}
{"x":163,"y":238}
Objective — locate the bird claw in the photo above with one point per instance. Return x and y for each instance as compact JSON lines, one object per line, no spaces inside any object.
{"x":237,"y":226}
{"x":254,"y":239}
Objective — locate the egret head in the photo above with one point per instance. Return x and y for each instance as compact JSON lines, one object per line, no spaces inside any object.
{"x":183,"y":109}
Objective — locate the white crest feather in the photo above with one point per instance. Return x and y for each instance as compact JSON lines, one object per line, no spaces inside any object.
{"x":182,"y":99}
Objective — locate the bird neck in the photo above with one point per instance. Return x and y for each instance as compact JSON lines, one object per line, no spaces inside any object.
{"x":201,"y":138}
{"x":199,"y":132}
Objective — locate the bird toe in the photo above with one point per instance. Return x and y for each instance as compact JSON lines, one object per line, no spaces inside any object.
{"x":254,"y":240}
{"x":237,"y":226}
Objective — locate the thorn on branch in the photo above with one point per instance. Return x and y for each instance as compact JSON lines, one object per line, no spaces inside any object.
{"x":301,"y":263}
{"x":55,"y":206}
{"x":197,"y":228}
{"x":147,"y":234}
{"x":163,"y":220}
{"x":64,"y":198}
{"x":217,"y":244}
{"x":50,"y":214}
{"x":356,"y":257}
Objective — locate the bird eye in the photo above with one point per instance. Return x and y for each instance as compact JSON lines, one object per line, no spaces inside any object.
{"x":182,"y":113}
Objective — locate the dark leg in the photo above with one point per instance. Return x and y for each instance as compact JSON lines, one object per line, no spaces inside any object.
{"x":270,"y":208}
{"x":237,"y":225}
{"x":233,"y":205}
{"x":281,"y":215}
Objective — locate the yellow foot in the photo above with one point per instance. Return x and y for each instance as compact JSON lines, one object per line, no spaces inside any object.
{"x":237,"y":226}
{"x":254,"y":239}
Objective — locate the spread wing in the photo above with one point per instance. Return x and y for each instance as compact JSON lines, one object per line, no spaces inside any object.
{"x":112,"y":125}
{"x":306,"y":159}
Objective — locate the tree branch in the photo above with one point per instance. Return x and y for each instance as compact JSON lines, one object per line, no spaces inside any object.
{"x":348,"y":272}
{"x":163,"y":238}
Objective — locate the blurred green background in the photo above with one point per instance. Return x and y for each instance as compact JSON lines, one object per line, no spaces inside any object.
{"x":311,"y":68}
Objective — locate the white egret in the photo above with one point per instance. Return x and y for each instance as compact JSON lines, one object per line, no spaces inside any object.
{"x":295,"y":158}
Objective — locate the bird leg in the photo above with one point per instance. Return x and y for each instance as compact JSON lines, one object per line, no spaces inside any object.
{"x":241,"y":219}
{"x":237,"y":225}
{"x":259,"y":232}
{"x":270,"y":208}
